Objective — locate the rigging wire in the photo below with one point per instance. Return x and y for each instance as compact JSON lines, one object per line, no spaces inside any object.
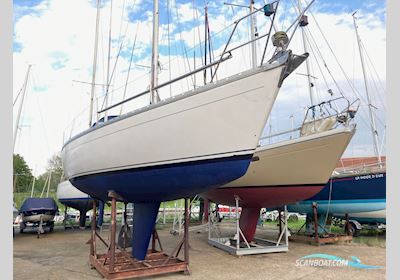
{"x":317,"y":62}
{"x":373,"y":67}
{"x":122,"y":40}
{"x":194,"y":42}
{"x":177,"y":58}
{"x":183,"y":46}
{"x":108,"y":60}
{"x":122,"y":16}
{"x":41,"y":116}
{"x":334,"y":55}
{"x":316,"y":49}
{"x":19,"y":93}
{"x":369,"y":65}
{"x":357,"y":94}
{"x":130,"y":64}
{"x":169,"y":46}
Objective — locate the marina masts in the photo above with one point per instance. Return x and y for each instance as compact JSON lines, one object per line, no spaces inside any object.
{"x":20,"y":106}
{"x":154,"y":55}
{"x":307,"y":61}
{"x":96,"y":38}
{"x":253,"y":32}
{"x":373,"y":124}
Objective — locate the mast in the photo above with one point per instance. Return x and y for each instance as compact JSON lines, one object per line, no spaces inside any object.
{"x":253,"y":32}
{"x":48,"y":186}
{"x":33,"y":183}
{"x":310,"y":91}
{"x":108,"y":63}
{"x":373,"y":124}
{"x":154,"y":55}
{"x":20,"y":106}
{"x":96,"y":38}
{"x":205,"y":40}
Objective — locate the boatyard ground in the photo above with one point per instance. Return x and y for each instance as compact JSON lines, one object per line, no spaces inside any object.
{"x":64,"y":255}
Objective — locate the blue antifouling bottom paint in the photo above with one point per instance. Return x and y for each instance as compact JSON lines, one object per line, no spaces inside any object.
{"x":144,"y":217}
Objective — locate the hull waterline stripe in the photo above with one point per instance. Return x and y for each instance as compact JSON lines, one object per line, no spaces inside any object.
{"x":75,"y":198}
{"x":344,"y":201}
{"x":275,"y":186}
{"x":158,"y":164}
{"x":163,"y":166}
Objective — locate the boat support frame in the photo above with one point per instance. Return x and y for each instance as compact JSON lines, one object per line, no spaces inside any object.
{"x":260,"y":246}
{"x":317,"y":238}
{"x":117,"y":263}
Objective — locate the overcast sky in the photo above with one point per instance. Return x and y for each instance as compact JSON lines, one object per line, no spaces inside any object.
{"x":57,"y":38}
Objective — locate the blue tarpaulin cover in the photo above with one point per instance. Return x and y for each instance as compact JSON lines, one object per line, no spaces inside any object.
{"x":36,"y":204}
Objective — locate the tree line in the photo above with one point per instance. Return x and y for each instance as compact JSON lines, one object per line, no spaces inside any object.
{"x":23,"y":179}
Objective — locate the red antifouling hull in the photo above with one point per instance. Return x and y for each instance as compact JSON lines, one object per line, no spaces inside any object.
{"x":252,"y":199}
{"x":260,"y":196}
{"x":248,"y":222}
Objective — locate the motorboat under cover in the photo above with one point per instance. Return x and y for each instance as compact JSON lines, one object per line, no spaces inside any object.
{"x":36,"y":204}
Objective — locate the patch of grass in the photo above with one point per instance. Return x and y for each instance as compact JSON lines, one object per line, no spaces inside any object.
{"x":373,"y":241}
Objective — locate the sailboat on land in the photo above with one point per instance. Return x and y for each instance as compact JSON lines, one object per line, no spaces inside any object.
{"x":35,"y":211}
{"x":286,"y":172}
{"x":180,"y":146}
{"x":352,"y":190}
{"x":291,"y":170}
{"x":70,"y":196}
{"x":357,"y":184}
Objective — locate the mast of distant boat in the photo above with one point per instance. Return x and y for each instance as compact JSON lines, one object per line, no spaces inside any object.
{"x":108,"y":63}
{"x":373,"y":124}
{"x":253,"y":31}
{"x":33,"y":183}
{"x":96,"y":39}
{"x":20,"y":106}
{"x":154,"y":55}
{"x":307,"y":60}
{"x":205,"y":40}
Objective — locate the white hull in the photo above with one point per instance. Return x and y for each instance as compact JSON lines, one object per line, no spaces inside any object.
{"x":15,"y":212}
{"x":305,"y":160}
{"x":381,"y":214}
{"x":36,"y":218}
{"x":223,"y":119}
{"x":65,"y":190}
{"x":15,"y":215}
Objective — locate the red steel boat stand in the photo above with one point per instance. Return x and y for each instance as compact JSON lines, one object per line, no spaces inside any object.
{"x":325,"y":238}
{"x":118,"y":263}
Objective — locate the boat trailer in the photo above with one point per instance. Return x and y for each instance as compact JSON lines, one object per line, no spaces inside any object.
{"x":39,"y":226}
{"x":118,"y":263}
{"x":325,"y":237}
{"x":239,"y":248}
